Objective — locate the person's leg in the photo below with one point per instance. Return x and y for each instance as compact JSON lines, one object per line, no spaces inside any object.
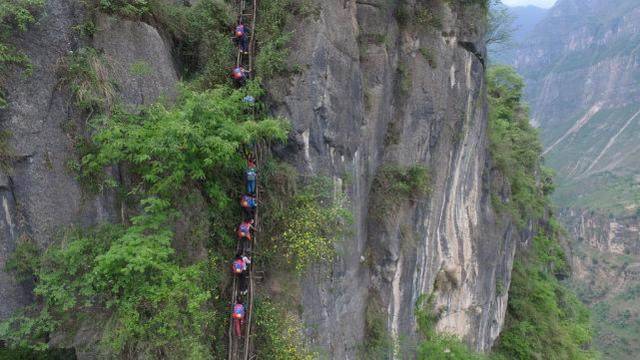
{"x":247,"y":246}
{"x":244,"y":43}
{"x":243,"y":284}
{"x":243,"y":245}
{"x":237,"y":327}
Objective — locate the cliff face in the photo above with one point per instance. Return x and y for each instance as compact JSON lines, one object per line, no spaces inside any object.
{"x":363,"y":102}
{"x":373,"y":90}
{"x":40,"y":194}
{"x":606,"y":264}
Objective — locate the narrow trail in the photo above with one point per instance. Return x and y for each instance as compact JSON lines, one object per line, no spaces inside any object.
{"x":241,"y":347}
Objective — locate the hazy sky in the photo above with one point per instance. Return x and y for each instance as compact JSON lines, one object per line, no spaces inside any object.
{"x":540,"y":3}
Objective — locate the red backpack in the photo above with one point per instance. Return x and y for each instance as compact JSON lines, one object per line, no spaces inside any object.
{"x":238,"y":266}
{"x":237,"y":73}
{"x":238,"y":311}
{"x":240,"y":30}
{"x":245,"y":230}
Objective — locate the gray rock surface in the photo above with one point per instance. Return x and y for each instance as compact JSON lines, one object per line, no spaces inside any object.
{"x":353,"y":110}
{"x":41,"y":196}
{"x":139,"y":57}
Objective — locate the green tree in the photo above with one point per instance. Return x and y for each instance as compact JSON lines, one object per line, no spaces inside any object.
{"x":514,"y":144}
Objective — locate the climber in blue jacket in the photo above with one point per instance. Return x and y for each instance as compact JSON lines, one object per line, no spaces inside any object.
{"x":251,"y":175}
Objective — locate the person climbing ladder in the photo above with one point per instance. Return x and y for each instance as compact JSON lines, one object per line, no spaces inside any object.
{"x":241,"y":266}
{"x":238,"y":316}
{"x":248,"y":204}
{"x":251,"y":176}
{"x":242,"y":38}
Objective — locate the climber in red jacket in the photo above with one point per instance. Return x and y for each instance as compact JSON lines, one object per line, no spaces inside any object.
{"x":245,"y":229}
{"x":238,"y":316}
{"x":239,"y":74}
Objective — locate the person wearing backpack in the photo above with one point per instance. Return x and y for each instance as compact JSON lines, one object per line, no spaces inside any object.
{"x":239,"y":268}
{"x":242,"y":38}
{"x":248,"y":204}
{"x":238,"y":316}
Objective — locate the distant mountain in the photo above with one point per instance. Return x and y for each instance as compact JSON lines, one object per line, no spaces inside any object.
{"x":582,"y":66}
{"x":525,"y":19}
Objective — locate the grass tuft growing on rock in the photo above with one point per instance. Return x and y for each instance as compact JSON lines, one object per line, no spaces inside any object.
{"x":15,"y":15}
{"x":396,"y":185}
{"x":87,"y":73}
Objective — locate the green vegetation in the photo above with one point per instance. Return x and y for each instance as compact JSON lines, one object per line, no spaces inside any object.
{"x":426,"y":17}
{"x":273,"y":55}
{"x":6,"y":152}
{"x":395,"y":185}
{"x":515,"y":147}
{"x":154,"y":305}
{"x":405,"y":82}
{"x":435,"y":346}
{"x":24,"y":259}
{"x":87,"y":73}
{"x":545,"y":320}
{"x":429,"y":57}
{"x":418,"y":15}
{"x":279,"y":334}
{"x":126,"y":8}
{"x":203,"y":34}
{"x":378,"y":342}
{"x":14,"y":15}
{"x":130,"y":277}
{"x":303,"y":218}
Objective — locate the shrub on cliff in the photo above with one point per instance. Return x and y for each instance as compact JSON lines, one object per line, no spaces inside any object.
{"x":545,"y":320}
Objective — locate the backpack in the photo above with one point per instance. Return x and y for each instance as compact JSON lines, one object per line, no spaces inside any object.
{"x":238,"y":266}
{"x":247,"y":202}
{"x":240,"y":30}
{"x":237,"y":73}
{"x":238,"y":311}
{"x":244,"y":231}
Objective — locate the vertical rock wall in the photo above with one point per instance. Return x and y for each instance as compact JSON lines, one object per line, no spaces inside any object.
{"x":369,"y":96}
